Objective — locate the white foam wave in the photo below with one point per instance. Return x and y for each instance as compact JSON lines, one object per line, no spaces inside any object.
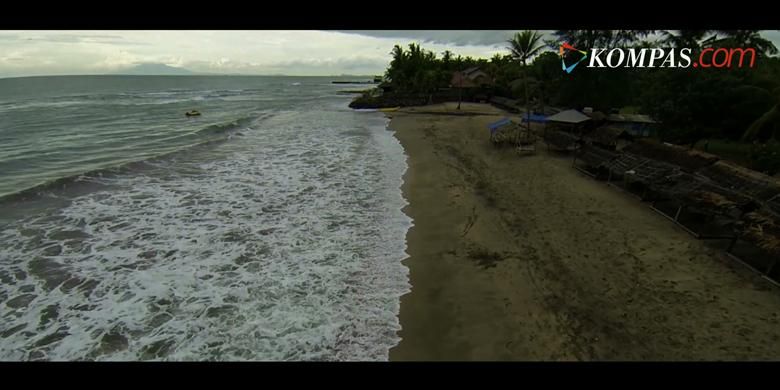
{"x":289,"y":249}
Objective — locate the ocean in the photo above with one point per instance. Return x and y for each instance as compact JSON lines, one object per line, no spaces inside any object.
{"x":268,"y":228}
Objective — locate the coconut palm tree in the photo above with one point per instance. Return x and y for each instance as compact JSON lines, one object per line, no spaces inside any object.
{"x":587,"y":39}
{"x":524,"y":46}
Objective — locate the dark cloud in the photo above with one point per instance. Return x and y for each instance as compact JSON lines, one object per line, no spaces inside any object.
{"x":488,"y":38}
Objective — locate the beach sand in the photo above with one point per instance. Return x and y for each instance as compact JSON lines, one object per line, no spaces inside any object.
{"x":523,"y":258}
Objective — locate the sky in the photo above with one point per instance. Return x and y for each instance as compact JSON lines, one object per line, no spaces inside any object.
{"x":299,"y":53}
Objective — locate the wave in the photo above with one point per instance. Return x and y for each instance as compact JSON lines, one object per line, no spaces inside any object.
{"x":207,"y":136}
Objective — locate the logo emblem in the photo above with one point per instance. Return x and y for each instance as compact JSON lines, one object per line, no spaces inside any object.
{"x":561,"y":53}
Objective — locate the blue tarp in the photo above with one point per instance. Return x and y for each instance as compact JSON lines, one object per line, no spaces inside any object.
{"x":496,"y":125}
{"x":500,"y":123}
{"x":535,"y":118}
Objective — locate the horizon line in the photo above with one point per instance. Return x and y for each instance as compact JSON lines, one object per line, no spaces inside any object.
{"x":182,"y":75}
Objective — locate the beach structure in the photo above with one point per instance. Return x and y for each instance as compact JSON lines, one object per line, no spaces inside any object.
{"x":609,"y":138}
{"x":636,"y":174}
{"x":471,"y":78}
{"x":568,"y":118}
{"x":707,"y":197}
{"x":533,"y":118}
{"x":721,"y":190}
{"x":650,"y":163}
{"x":506,"y":131}
{"x":757,"y":242}
{"x":722,"y":200}
{"x":563,"y":130}
{"x":502,"y":132}
{"x":598,"y":148}
{"x":758,"y":186}
{"x":687,"y":159}
{"x":638,"y":125}
{"x":593,"y":160}
{"x":666,"y":175}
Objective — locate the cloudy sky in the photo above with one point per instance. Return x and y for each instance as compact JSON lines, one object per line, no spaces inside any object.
{"x":24,"y":53}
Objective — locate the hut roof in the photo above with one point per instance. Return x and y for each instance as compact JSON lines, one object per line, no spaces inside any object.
{"x":568,"y":116}
{"x":471,"y":70}
{"x":469,"y":78}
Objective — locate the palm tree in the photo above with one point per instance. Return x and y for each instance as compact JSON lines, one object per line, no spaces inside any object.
{"x":587,"y":39}
{"x":524,"y":46}
{"x":446,"y":59}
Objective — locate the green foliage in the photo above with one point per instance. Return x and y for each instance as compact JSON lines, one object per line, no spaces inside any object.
{"x":692,"y":104}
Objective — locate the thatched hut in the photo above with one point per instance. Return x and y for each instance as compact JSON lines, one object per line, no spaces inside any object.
{"x":563,"y":129}
{"x":471,"y":78}
{"x":569,"y":120}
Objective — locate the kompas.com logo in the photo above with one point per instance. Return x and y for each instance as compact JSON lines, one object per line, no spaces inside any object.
{"x":657,"y":57}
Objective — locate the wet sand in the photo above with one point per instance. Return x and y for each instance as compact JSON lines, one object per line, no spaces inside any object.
{"x":523,"y":258}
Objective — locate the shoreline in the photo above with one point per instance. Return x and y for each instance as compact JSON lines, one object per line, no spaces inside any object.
{"x":523,"y":258}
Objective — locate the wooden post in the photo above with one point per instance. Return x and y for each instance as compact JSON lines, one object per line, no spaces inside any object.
{"x":677,"y":215}
{"x":460,"y":93}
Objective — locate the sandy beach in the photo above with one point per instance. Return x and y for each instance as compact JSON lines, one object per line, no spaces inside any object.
{"x":523,"y":258}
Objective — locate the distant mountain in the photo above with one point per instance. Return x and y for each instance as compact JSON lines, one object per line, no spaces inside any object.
{"x":152,"y":69}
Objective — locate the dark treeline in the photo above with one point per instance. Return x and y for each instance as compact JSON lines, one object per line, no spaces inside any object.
{"x":738,"y":104}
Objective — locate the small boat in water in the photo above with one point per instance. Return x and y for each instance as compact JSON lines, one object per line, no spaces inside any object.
{"x":192,"y":113}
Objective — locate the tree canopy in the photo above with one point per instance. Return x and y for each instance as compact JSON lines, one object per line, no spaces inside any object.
{"x":735,"y":104}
